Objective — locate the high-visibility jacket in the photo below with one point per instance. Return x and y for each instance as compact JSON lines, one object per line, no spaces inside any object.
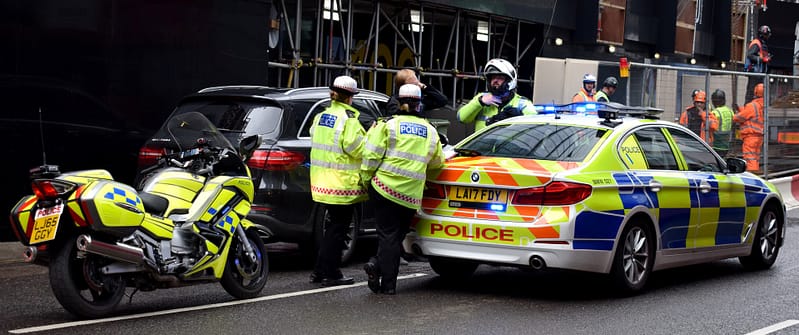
{"x":336,"y":149}
{"x":397,"y":154}
{"x":722,"y":137}
{"x":696,"y":119}
{"x":756,"y":56}
{"x":583,"y":96}
{"x":601,"y":96}
{"x":476,"y":112}
{"x":750,"y":117}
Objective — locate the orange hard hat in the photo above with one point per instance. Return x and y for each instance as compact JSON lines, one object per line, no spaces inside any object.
{"x":759,"y":90}
{"x":700,"y":96}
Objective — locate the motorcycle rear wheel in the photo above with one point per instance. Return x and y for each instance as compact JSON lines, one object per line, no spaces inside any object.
{"x":244,"y":278}
{"x":79,"y":286}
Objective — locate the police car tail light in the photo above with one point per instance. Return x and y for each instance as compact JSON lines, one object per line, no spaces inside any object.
{"x":50,"y":189}
{"x":433,"y":190}
{"x":275,"y":160}
{"x":553,"y":194}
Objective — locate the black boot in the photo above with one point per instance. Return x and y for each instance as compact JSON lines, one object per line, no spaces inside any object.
{"x":373,"y":274}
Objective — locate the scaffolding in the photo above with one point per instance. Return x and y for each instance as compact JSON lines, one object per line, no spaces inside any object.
{"x":371,"y":40}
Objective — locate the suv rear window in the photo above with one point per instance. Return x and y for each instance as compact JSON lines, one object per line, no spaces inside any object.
{"x":242,"y":117}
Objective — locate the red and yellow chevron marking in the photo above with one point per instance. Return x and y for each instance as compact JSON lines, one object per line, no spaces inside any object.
{"x":502,"y":171}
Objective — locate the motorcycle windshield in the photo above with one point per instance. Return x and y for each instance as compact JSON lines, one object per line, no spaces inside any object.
{"x":188,"y":129}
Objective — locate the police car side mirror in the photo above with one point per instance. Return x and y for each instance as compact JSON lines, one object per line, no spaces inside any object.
{"x":736,"y":165}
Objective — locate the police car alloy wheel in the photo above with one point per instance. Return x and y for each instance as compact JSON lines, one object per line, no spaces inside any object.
{"x":766,"y":245}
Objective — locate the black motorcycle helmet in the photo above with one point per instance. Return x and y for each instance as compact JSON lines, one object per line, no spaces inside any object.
{"x":764,"y":32}
{"x":610,"y":82}
{"x":718,"y":98}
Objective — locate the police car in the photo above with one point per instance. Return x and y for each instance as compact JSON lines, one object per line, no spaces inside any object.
{"x":601,"y":188}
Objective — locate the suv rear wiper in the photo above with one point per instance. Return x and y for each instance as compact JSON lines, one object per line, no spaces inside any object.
{"x":467,"y":152}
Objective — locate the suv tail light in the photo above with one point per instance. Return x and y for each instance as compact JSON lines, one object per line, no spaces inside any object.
{"x":557,"y":193}
{"x":275,"y":160}
{"x":149,"y":156}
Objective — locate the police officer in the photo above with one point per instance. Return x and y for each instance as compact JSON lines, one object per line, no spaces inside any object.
{"x":696,"y":117}
{"x":724,"y":115}
{"x":586,"y":92}
{"x":608,"y":88}
{"x":431,"y":97}
{"x":397,"y":155}
{"x":750,"y":119}
{"x":501,"y":100}
{"x":336,"y":148}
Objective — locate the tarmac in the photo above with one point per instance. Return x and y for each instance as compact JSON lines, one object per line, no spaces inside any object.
{"x":11,"y":252}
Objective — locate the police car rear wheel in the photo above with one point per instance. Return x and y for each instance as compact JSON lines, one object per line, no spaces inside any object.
{"x":765,"y":246}
{"x":450,"y":268}
{"x":633,"y":261}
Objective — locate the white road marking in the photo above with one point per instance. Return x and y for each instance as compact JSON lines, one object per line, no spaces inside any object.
{"x":196,"y":308}
{"x":774,"y":327}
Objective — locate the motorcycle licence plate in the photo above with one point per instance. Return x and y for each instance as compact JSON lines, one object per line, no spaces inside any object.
{"x":46,"y":223}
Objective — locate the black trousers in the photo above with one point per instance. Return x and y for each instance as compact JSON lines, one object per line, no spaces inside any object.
{"x":328,"y":262}
{"x":393,"y":221}
{"x":751,"y":82}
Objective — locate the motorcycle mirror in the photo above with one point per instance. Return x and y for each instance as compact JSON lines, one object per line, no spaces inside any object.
{"x":248,"y":145}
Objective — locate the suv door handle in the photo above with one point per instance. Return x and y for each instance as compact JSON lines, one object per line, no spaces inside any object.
{"x":655,"y":186}
{"x":704,"y":187}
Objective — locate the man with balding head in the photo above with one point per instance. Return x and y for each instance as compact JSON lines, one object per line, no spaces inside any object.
{"x":431,"y":97}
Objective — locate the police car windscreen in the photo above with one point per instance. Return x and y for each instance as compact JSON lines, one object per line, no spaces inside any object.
{"x":569,"y":143}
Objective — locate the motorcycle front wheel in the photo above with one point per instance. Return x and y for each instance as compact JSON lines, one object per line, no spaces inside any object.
{"x":80,"y":287}
{"x":244,"y":277}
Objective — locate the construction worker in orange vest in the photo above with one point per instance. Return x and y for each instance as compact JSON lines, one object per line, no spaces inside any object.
{"x":697,"y":120}
{"x":750,"y":119}
{"x":757,"y":58}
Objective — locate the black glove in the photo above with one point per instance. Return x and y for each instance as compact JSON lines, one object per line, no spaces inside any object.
{"x":735,"y":108}
{"x":506,"y":112}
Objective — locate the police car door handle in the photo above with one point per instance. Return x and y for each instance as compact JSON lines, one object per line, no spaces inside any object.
{"x":704,"y":187}
{"x":655,"y":186}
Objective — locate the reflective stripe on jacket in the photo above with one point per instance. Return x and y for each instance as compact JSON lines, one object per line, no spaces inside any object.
{"x":750,"y":117}
{"x":475,"y":112}
{"x":693,"y":118}
{"x":337,"y":139}
{"x":601,"y":96}
{"x":583,"y":96}
{"x":397,"y":155}
{"x":723,"y":136}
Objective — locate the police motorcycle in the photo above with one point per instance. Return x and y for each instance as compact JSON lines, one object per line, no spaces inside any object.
{"x":99,"y":237}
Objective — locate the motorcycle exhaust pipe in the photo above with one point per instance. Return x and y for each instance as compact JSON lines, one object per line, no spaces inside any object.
{"x":29,"y":254}
{"x":119,"y":252}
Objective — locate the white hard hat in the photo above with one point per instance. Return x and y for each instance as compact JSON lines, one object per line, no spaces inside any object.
{"x":410,"y":91}
{"x":345,"y":84}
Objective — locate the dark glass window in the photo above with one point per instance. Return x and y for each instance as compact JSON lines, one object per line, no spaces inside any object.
{"x":656,"y":149}
{"x":537,"y":141}
{"x":697,"y":155}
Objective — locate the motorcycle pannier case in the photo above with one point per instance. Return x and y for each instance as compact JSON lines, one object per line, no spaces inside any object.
{"x":112,"y":207}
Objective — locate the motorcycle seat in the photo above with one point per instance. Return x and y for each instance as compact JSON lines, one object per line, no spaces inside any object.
{"x":154,"y":204}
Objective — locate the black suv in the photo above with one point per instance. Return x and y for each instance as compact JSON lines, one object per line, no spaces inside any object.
{"x":280,"y":168}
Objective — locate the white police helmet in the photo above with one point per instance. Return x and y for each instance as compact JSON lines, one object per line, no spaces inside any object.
{"x":345,"y":85}
{"x":501,"y":66}
{"x":410,"y":91}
